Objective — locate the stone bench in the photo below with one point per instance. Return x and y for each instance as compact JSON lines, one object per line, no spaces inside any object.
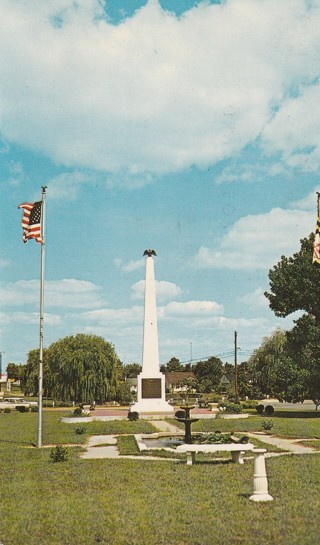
{"x":237,"y":450}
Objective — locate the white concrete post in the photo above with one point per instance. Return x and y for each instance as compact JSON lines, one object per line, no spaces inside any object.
{"x":260,"y":480}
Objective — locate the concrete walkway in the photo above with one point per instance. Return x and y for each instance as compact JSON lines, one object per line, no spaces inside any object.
{"x":105,"y":446}
{"x":101,"y":446}
{"x":291,"y":446}
{"x":162,"y":425}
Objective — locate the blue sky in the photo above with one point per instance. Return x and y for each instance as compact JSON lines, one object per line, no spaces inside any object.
{"x":187,"y":127}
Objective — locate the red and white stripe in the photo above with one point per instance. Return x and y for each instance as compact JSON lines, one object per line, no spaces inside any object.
{"x":33,"y":230}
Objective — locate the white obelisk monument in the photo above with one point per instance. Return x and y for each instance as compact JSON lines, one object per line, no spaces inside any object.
{"x":151,"y":397}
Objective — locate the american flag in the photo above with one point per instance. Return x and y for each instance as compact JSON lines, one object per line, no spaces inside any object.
{"x":31,"y":221}
{"x":316,"y":245}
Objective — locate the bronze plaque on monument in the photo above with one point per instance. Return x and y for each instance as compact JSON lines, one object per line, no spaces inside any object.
{"x":151,"y":388}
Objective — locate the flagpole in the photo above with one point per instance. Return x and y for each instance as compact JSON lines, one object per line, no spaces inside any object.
{"x":236,"y":367}
{"x":41,"y":316}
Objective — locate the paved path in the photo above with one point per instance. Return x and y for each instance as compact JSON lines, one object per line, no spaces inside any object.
{"x":105,"y":446}
{"x":162,"y":425}
{"x":291,"y":446}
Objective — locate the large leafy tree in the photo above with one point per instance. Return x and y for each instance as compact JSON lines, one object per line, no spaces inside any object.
{"x":79,"y":368}
{"x":30,"y":375}
{"x":131,"y":370}
{"x":15,"y":371}
{"x":304,"y":347}
{"x":295,"y":283}
{"x":274,"y":372}
{"x":208,"y":373}
{"x":172,"y":365}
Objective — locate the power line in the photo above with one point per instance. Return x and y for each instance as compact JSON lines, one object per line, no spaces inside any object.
{"x":219,"y":355}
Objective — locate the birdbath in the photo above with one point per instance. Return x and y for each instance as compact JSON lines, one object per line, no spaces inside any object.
{"x":187,"y":422}
{"x":214,"y":407}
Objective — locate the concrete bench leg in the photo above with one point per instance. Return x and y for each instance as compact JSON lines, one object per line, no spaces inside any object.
{"x":191,"y":456}
{"x":237,"y":457}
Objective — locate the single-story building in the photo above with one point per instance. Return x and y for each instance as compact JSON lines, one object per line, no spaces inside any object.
{"x":177,"y":381}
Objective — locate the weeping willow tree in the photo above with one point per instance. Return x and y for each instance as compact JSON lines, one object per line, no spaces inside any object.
{"x":80,"y":368}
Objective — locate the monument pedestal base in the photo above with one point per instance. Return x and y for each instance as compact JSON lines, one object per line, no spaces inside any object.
{"x":151,"y":396}
{"x":152,"y":407}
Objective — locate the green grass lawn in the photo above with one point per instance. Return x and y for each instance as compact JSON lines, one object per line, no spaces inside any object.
{"x":284,"y":424}
{"x":22,"y":428}
{"x":312,"y":443}
{"x":144,"y":502}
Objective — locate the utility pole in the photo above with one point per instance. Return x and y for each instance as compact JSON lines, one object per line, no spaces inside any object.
{"x":236,"y":367}
{"x":1,"y":364}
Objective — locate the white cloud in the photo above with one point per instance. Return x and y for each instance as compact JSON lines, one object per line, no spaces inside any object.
{"x":295,"y":130}
{"x":258,"y":241}
{"x":29,"y":318}
{"x":114,"y":316}
{"x":255,"y":299}
{"x":191,"y":308}
{"x":156,"y":93}
{"x":4,"y":263}
{"x":68,"y":293}
{"x":249,"y":172}
{"x":130,"y":266}
{"x":133,"y":179}
{"x":66,"y":186}
{"x":164,"y":290}
{"x":307,"y":203}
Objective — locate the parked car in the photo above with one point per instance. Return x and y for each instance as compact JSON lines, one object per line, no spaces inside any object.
{"x":14,"y":402}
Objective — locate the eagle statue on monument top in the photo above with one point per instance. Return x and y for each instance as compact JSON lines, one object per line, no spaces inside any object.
{"x":149,"y":253}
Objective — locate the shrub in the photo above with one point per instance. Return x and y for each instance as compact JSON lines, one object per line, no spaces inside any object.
{"x":7,"y":410}
{"x":59,"y":454}
{"x":133,"y":415}
{"x":123,"y":394}
{"x":34,"y":409}
{"x":244,"y":439}
{"x":62,"y":403}
{"x":80,"y":430}
{"x":269,"y":410}
{"x":77,"y":411}
{"x":214,"y":399}
{"x":249,"y":404}
{"x":180,"y":414}
{"x":260,"y":409}
{"x":22,"y":409}
{"x":267,"y":425}
{"x":212,"y":438}
{"x":233,"y":408}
